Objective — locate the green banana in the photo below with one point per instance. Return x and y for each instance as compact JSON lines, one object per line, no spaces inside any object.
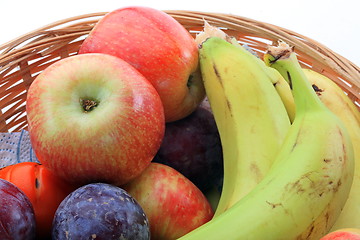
{"x":302,"y":194}
{"x":342,"y":106}
{"x":251,"y":118}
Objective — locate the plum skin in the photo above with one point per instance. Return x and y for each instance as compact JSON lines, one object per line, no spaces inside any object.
{"x":100,"y":211}
{"x":192,"y":146}
{"x":17,"y":217}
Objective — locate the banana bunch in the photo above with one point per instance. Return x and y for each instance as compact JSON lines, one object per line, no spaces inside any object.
{"x":251,"y":118}
{"x":340,"y":104}
{"x":308,"y":180}
{"x":280,"y":84}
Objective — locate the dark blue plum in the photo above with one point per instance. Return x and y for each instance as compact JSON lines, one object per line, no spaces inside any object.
{"x":17,"y":218}
{"x":100,"y":211}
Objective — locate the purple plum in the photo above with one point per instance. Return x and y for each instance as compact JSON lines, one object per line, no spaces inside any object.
{"x":100,"y":211}
{"x":17,"y":218}
{"x":192,"y":146}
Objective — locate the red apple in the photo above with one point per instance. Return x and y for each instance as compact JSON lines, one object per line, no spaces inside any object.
{"x":93,"y":117}
{"x":192,"y":146}
{"x":172,"y":203}
{"x":159,"y":47}
{"x":343,"y":234}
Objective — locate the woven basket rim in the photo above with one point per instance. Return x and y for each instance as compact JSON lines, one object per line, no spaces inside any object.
{"x":209,"y":16}
{"x":174,"y":13}
{"x":18,"y":57}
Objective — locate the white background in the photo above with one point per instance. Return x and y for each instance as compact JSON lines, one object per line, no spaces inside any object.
{"x":333,"y":23}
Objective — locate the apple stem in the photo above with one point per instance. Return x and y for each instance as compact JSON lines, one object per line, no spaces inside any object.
{"x":88,"y":105}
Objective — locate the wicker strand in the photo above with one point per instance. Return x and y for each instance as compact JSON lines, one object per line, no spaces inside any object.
{"x":23,"y":58}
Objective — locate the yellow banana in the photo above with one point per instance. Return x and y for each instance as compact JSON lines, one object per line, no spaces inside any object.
{"x":280,"y":84}
{"x":284,"y":91}
{"x":340,"y":104}
{"x":309,"y":181}
{"x":251,"y":118}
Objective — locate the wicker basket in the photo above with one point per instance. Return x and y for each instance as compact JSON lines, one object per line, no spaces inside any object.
{"x":22,"y":59}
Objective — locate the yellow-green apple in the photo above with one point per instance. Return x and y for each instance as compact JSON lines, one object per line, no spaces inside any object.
{"x":343,"y":234}
{"x":172,"y":203}
{"x":93,"y":117}
{"x":159,"y":47}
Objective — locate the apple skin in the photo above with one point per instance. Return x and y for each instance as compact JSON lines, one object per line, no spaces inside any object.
{"x":159,"y":47}
{"x":172,"y":203}
{"x":343,"y":234}
{"x":112,"y":142}
{"x":192,"y":146}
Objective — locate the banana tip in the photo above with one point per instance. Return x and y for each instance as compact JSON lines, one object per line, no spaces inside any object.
{"x":281,"y":51}
{"x":210,"y":31}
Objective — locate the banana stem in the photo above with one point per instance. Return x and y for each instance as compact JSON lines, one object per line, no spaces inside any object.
{"x":283,"y":59}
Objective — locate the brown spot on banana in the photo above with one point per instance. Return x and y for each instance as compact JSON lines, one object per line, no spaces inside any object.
{"x":255,"y":169}
{"x":297,"y":186}
{"x":229,"y":106}
{"x":317,"y":89}
{"x":337,"y":186}
{"x":289,"y":79}
{"x":274,"y":205}
{"x":216,"y":71}
{"x":321,"y":224}
{"x":310,"y":232}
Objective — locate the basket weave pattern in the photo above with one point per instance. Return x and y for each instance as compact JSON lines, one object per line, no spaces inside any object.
{"x":22,"y":59}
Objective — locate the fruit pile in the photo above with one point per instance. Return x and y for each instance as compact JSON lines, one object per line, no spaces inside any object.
{"x":149,"y":132}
